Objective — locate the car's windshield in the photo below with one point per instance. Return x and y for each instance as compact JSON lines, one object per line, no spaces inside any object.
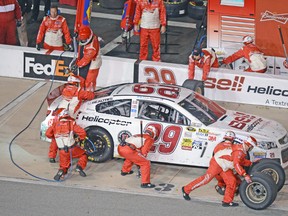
{"x":202,"y":108}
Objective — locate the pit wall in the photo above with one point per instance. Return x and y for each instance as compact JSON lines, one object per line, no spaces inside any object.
{"x":222,"y":84}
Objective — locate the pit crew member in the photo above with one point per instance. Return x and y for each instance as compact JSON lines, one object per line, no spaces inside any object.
{"x":252,"y":55}
{"x":135,"y":149}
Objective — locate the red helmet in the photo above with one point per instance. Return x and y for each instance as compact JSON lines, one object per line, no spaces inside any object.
{"x":247,"y":39}
{"x":229,"y":135}
{"x":249,"y":143}
{"x":152,"y":131}
{"x":85,"y":34}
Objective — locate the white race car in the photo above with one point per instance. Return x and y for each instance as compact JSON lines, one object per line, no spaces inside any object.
{"x":190,"y":125}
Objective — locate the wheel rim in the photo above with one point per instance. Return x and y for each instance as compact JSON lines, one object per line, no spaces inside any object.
{"x":100,"y":145}
{"x":272,"y":173}
{"x":256,"y":192}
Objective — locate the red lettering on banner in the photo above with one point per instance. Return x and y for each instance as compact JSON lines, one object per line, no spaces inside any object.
{"x":225,"y":84}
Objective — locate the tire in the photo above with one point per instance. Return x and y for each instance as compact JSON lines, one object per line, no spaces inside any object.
{"x":103,"y":144}
{"x":195,"y":11}
{"x":112,"y":4}
{"x":259,"y":194}
{"x":272,"y":168}
{"x":176,"y":9}
{"x":194,"y":85}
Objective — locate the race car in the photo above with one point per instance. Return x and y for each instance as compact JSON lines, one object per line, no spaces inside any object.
{"x":190,"y":124}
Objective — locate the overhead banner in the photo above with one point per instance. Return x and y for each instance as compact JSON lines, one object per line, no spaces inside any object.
{"x":223,"y":84}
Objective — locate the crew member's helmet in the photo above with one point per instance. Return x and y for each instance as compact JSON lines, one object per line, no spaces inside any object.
{"x":152,"y":131}
{"x":63,"y":113}
{"x":229,"y":135}
{"x":247,"y":39}
{"x":197,"y":52}
{"x":249,"y":143}
{"x":85,"y":35}
{"x":73,"y":80}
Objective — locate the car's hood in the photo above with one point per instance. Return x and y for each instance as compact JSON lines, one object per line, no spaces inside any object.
{"x":251,"y":124}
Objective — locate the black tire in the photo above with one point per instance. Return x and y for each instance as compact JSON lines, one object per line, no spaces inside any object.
{"x":194,"y":85}
{"x":196,"y":10}
{"x":272,"y":168}
{"x":176,"y":9}
{"x":112,"y":4}
{"x":103,"y":142}
{"x":259,"y":194}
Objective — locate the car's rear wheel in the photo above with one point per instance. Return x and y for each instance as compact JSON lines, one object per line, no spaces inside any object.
{"x":259,"y":194}
{"x":103,"y":144}
{"x":194,"y":85}
{"x":272,"y":168}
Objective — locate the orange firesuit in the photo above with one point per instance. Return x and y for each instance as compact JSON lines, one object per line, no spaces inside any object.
{"x":252,"y":55}
{"x":135,"y":153}
{"x":52,"y":30}
{"x":73,"y":97}
{"x":207,"y":60}
{"x":10,"y":11}
{"x":152,"y":14}
{"x":63,"y":130}
{"x":90,"y":62}
{"x":213,"y":170}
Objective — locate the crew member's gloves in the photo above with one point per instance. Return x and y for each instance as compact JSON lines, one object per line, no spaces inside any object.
{"x":247,"y":178}
{"x":74,"y":68}
{"x":70,"y":48}
{"x":38,"y":47}
{"x":18,"y":23}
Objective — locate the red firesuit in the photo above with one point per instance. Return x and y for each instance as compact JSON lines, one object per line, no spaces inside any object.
{"x":73,"y":96}
{"x":253,"y":56}
{"x":63,"y":130}
{"x":52,"y":30}
{"x":213,"y":170}
{"x":90,"y":61}
{"x":134,"y":153}
{"x":53,"y":148}
{"x":152,"y":14}
{"x":207,"y":60}
{"x":10,"y":11}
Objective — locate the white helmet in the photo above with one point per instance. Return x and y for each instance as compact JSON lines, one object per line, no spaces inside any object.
{"x":152,"y":131}
{"x":63,"y":113}
{"x":249,"y":143}
{"x":229,"y":135}
{"x":247,"y":39}
{"x":73,"y":80}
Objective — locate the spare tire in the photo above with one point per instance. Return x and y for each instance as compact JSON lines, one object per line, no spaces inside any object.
{"x":196,"y":9}
{"x":272,"y":168}
{"x":176,"y":8}
{"x":112,"y":4}
{"x":259,"y":194}
{"x":194,"y":85}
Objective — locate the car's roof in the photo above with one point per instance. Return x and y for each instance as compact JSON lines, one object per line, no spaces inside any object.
{"x":164,"y":91}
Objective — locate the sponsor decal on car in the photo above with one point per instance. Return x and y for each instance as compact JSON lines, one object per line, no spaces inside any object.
{"x":259,"y":154}
{"x":191,"y":129}
{"x":197,"y":144}
{"x":186,"y":144}
{"x":105,"y":120}
{"x":123,"y":135}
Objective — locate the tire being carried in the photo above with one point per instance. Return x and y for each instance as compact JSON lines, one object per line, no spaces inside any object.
{"x":272,"y":168}
{"x":194,"y":85}
{"x":259,"y":194}
{"x":103,"y":144}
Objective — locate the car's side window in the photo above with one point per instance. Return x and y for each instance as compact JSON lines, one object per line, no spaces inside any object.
{"x":160,"y":112}
{"x":115,"y":107}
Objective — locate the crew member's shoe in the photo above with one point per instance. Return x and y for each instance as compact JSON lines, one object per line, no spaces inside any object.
{"x":52,"y":160}
{"x":126,"y":173}
{"x":147,"y":185}
{"x":231,"y":204}
{"x":185,"y":195}
{"x":59,"y":174}
{"x":220,"y":190}
{"x":80,"y":170}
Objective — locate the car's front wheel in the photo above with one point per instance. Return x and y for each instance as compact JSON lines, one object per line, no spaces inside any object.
{"x":100,"y":144}
{"x":259,"y":194}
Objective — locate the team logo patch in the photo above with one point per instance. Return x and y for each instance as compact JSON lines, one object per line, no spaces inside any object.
{"x":123,"y":135}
